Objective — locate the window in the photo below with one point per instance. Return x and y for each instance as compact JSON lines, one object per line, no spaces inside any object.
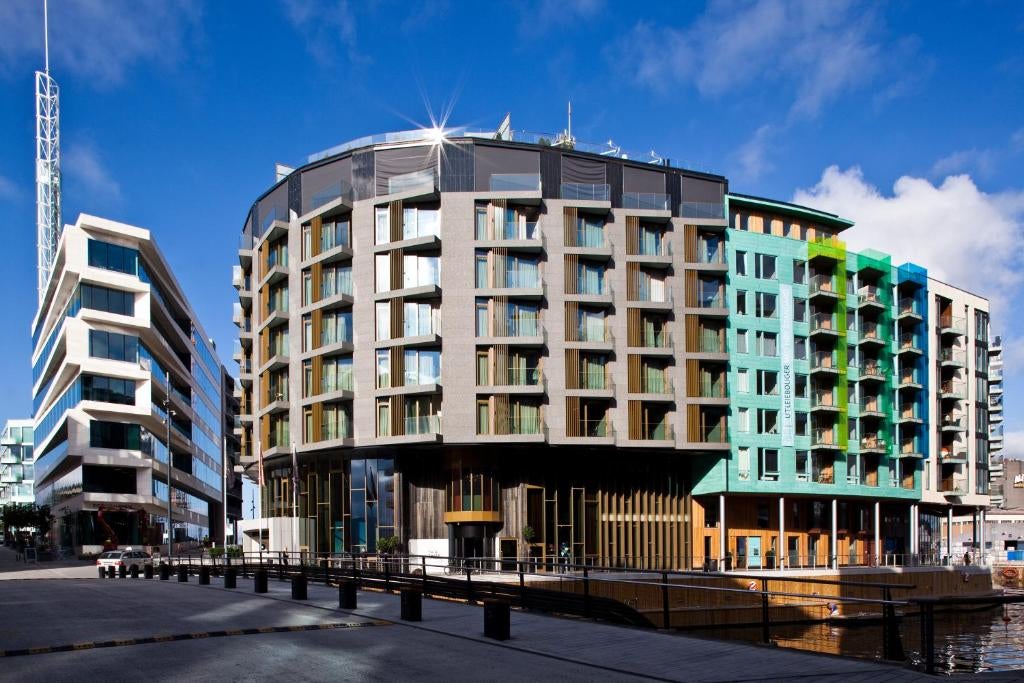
{"x":383,"y":368}
{"x":307,"y":332}
{"x":336,"y":374}
{"x":334,"y":234}
{"x":767,"y":382}
{"x":767,"y":421}
{"x":981,"y":326}
{"x":767,"y":305}
{"x":420,"y":319}
{"x":764,"y":267}
{"x":336,"y":327}
{"x":743,"y":463}
{"x":110,"y":300}
{"x":113,"y":257}
{"x":741,"y":302}
{"x":741,"y":341}
{"x":307,"y":287}
{"x":767,"y":343}
{"x":383,"y":310}
{"x":108,"y":389}
{"x":422,"y":367}
{"x":741,"y":263}
{"x":419,"y":271}
{"x":417,"y":222}
{"x":799,"y":310}
{"x":800,"y":348}
{"x":802,"y":466}
{"x":743,"y":420}
{"x":277,"y":298}
{"x":113,"y":346}
{"x":800,"y":385}
{"x":115,"y":435}
{"x":768,"y":464}
{"x":383,"y":226}
{"x":743,"y":381}
{"x":801,"y":424}
{"x":335,"y":280}
{"x":382,"y":279}
{"x":799,"y":272}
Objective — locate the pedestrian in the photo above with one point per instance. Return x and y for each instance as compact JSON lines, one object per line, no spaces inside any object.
{"x":967,"y":558}
{"x":563,"y":554}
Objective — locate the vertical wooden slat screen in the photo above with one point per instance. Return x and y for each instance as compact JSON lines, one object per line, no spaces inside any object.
{"x":318,"y":423}
{"x":693,"y":426}
{"x":265,"y":387}
{"x":397,"y":367}
{"x":632,"y":281}
{"x":264,"y":250}
{"x":569,"y":232}
{"x":572,"y":332}
{"x":634,"y":331}
{"x":634,"y":368}
{"x":690,"y":243}
{"x":690,"y":283}
{"x":501,"y":364}
{"x":692,"y":323}
{"x":692,"y":378}
{"x":397,"y":311}
{"x":315,"y":236}
{"x":395,"y":219}
{"x":317,"y":324}
{"x":318,"y":373}
{"x":501,"y":414}
{"x":265,"y":432}
{"x":499,"y":319}
{"x":571,"y":273}
{"x":397,"y":275}
{"x":496,"y":206}
{"x":264,"y":301}
{"x":572,"y":416}
{"x":318,"y":279}
{"x":497,"y":261}
{"x":632,"y":235}
{"x":635,"y":420}
{"x":572,"y":368}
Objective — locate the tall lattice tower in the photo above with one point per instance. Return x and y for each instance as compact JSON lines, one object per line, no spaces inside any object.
{"x":48,"y":218}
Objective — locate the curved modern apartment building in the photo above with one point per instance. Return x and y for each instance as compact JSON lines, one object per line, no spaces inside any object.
{"x":117,"y":350}
{"x":494,"y":347}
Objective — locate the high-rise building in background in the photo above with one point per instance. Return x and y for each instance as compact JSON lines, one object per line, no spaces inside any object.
{"x":995,"y":418}
{"x":503,"y":346}
{"x":17,"y":473}
{"x":117,"y":352}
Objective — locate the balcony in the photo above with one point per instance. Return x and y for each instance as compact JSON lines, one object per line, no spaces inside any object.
{"x":595,"y":382}
{"x":872,"y":372}
{"x":910,"y":448}
{"x":586,"y":192}
{"x":823,"y":287}
{"x":954,"y":454}
{"x":824,"y":362}
{"x":659,"y":431}
{"x":658,"y":384}
{"x":655,"y":295}
{"x":954,"y":424}
{"x":956,"y":486}
{"x":908,"y":414}
{"x":870,"y":333}
{"x":908,"y":344}
{"x":714,"y":433}
{"x":952,"y":358}
{"x":870,"y":297}
{"x":908,"y":309}
{"x":711,"y":253}
{"x":824,"y":324}
{"x":595,"y":429}
{"x":873,"y":443}
{"x":645,"y":201}
{"x":871,"y":407}
{"x":824,"y":439}
{"x":417,"y":183}
{"x":340,"y":192}
{"x":824,"y":401}
{"x":908,"y":380}
{"x":950,"y":325}
{"x":706,"y":210}
{"x":952,"y":390}
{"x":514,"y":182}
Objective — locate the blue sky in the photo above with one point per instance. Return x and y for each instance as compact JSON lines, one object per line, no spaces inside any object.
{"x":907,"y":117}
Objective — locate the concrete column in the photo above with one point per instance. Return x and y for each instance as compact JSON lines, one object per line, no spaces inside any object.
{"x":981,"y":536}
{"x":878,"y":533}
{"x":780,"y":551}
{"x":974,"y":529}
{"x":949,"y":534}
{"x":913,"y":531}
{"x":721,"y":530}
{"x":835,"y":531}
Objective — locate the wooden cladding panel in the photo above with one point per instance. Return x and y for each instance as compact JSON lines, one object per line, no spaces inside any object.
{"x":692,"y":378}
{"x":395,"y":219}
{"x":635,"y":383}
{"x":572,"y":262}
{"x":264,"y":431}
{"x":264,"y":251}
{"x":636,"y":419}
{"x":570,"y":216}
{"x":632,"y":281}
{"x":572,"y":369}
{"x":690,"y":283}
{"x":501,"y":414}
{"x":693,"y":431}
{"x":318,"y":279}
{"x":318,"y":373}
{"x":632,"y":235}
{"x":316,"y":227}
{"x":500,"y":355}
{"x":572,"y":332}
{"x":264,"y":301}
{"x":690,"y":243}
{"x":396,"y":268}
{"x":499,"y":316}
{"x":692,"y":324}
{"x":397,"y":367}
{"x":318,"y":325}
{"x":318,"y":423}
{"x":634,"y":331}
{"x":572,"y":416}
{"x":397,"y":409}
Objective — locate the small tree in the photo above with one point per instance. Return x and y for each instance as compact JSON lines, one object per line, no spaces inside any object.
{"x":528,"y":533}
{"x":387,"y":545}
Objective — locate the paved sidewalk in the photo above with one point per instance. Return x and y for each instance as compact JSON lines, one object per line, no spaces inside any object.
{"x":13,"y":568}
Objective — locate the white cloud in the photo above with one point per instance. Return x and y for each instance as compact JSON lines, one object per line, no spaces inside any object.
{"x":325,"y":28}
{"x":753,"y":157}
{"x":1013,"y":444}
{"x":815,"y":50}
{"x":1013,"y":357}
{"x":959,"y":233}
{"x":82,"y":165}
{"x":96,"y":39}
{"x":8,"y":190}
{"x":980,"y":160}
{"x":548,"y":14}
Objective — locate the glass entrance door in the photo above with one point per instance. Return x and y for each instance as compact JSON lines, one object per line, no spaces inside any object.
{"x":754,"y":552}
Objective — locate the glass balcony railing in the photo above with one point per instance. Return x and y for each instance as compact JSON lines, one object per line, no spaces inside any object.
{"x":908,"y":411}
{"x":955,"y":486}
{"x":702,"y":210}
{"x":823,"y":399}
{"x":591,"y":237}
{"x":596,"y":429}
{"x":908,"y":342}
{"x":655,"y":384}
{"x":595,"y":378}
{"x":952,"y":389}
{"x":823,"y":437}
{"x":712,"y":253}
{"x":908,"y":377}
{"x":872,"y":370}
{"x":425,"y":424}
{"x":824,"y":360}
{"x":870,"y":404}
{"x":594,"y":334}
{"x":514,"y":182}
{"x":957,"y":423}
{"x":952,"y":324}
{"x":586,"y":192}
{"x":953,"y":452}
{"x":869,"y":294}
{"x":908,"y":306}
{"x":824,"y":284}
{"x":872,"y":442}
{"x":525,"y":424}
{"x":870,"y":331}
{"x":953,"y":357}
{"x":273,"y":213}
{"x":713,"y":433}
{"x":910,"y":447}
{"x":338,"y":190}
{"x":658,"y":431}
{"x":711,"y":299}
{"x":823,"y":322}
{"x":652,"y":201}
{"x":520,"y":377}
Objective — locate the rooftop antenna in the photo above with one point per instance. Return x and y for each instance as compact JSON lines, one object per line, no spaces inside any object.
{"x":565,"y":138}
{"x":48,"y":214}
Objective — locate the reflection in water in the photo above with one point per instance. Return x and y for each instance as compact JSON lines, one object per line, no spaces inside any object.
{"x":965,"y":641}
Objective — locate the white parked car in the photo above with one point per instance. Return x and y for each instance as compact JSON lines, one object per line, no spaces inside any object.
{"x":126,"y":558}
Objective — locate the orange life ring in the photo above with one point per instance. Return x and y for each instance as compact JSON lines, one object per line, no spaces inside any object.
{"x":751,"y":586}
{"x":1010,"y":573}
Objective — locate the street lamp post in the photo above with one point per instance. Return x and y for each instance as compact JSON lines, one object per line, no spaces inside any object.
{"x":170,"y":524}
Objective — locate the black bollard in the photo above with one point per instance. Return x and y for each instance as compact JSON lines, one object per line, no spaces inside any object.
{"x":204,"y":575}
{"x":165,"y":571}
{"x":122,"y":572}
{"x":347,"y":594}
{"x":147,"y":571}
{"x":299,"y":587}
{"x":497,"y":620}
{"x":260,"y":581}
{"x":110,"y":572}
{"x":134,"y":571}
{"x":230,"y":577}
{"x":103,"y":572}
{"x":182,"y":573}
{"x":412,"y":604}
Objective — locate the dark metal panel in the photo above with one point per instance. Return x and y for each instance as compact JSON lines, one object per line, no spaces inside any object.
{"x":615,"y":181}
{"x":362,"y":174}
{"x":457,"y":166}
{"x":703,"y":190}
{"x":582,"y":170}
{"x":673,"y":187}
{"x":642,"y":180}
{"x":493,"y":159}
{"x":325,"y":176}
{"x":295,"y":193}
{"x":551,"y":173}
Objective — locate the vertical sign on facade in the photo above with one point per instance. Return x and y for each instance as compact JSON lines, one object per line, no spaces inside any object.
{"x":786,"y":350}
